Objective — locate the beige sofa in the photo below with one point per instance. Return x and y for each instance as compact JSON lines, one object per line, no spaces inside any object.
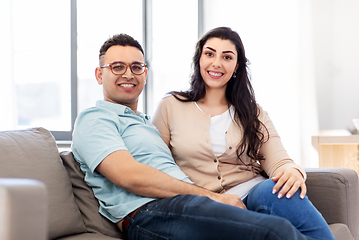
{"x":43,"y":194}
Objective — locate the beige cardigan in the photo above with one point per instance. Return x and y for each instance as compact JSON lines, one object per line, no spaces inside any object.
{"x":185,"y":129}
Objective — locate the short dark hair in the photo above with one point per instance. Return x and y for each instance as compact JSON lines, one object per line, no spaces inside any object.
{"x":121,"y":40}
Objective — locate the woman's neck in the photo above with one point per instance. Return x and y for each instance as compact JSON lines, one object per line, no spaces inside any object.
{"x":214,"y":102}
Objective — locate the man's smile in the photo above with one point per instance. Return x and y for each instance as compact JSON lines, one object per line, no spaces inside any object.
{"x":127,"y":85}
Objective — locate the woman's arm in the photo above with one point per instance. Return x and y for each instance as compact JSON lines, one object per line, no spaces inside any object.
{"x":160,"y":120}
{"x":277,"y":164}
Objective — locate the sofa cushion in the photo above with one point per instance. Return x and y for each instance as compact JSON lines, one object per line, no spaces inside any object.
{"x":33,"y":154}
{"x":86,"y":200}
{"x":341,"y":231}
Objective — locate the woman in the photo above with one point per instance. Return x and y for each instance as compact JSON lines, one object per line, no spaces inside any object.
{"x":224,"y":141}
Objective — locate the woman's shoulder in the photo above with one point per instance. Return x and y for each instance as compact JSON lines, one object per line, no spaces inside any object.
{"x":260,"y":109}
{"x":174,"y":99}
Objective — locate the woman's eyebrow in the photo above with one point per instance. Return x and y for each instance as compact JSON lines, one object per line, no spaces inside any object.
{"x":229,"y":52}
{"x":214,"y":50}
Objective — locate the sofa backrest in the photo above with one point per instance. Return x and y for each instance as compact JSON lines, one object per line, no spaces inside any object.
{"x":73,"y":208}
{"x":33,"y":154}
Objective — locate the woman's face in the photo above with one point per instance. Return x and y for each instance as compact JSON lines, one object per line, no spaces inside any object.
{"x":218,"y":62}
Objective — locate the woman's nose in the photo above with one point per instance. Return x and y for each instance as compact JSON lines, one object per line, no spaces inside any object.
{"x":216,"y":62}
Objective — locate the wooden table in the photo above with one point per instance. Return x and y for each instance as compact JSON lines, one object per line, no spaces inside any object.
{"x":338,"y":151}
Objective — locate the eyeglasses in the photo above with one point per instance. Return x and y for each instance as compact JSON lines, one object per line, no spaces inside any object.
{"x":119,"y":68}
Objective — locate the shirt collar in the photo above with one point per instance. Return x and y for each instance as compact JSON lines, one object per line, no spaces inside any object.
{"x":120,"y":109}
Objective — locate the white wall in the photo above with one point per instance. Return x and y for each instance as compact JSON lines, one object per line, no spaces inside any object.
{"x":336,"y":51}
{"x":305,"y":68}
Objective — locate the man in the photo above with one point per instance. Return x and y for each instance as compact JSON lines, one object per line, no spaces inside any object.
{"x":133,"y":175}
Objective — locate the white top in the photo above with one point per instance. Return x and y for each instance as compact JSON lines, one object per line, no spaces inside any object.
{"x":218,"y":126}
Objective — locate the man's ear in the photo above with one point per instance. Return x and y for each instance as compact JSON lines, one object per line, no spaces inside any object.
{"x":98,"y":75}
{"x":146,"y":75}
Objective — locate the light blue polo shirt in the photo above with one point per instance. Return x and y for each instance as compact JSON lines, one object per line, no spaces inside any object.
{"x":110,"y":127}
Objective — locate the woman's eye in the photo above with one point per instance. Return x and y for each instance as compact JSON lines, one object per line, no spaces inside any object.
{"x":209,"y":54}
{"x":228,"y":57}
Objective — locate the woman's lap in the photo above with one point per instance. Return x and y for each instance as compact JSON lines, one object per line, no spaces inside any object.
{"x":300,"y":212}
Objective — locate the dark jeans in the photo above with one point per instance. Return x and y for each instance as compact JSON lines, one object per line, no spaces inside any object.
{"x":190,"y":217}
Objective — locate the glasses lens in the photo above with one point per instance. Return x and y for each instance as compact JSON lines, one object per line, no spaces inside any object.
{"x":118,"y":67}
{"x":137,"y":68}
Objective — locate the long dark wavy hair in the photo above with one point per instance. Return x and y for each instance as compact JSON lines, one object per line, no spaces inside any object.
{"x":239,"y":93}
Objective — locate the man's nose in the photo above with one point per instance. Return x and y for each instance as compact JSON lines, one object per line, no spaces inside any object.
{"x":128,"y":73}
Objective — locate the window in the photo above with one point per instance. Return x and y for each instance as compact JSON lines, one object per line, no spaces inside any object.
{"x":96,"y":22}
{"x":37,"y":43}
{"x":53,"y":52}
{"x":174,"y":35}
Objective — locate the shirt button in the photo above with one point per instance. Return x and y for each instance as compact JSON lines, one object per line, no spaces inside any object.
{"x":230,"y":147}
{"x":225,"y":132}
{"x":219,"y":177}
{"x":126,"y":110}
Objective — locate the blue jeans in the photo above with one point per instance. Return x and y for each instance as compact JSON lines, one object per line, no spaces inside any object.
{"x":193,"y":217}
{"x":300,"y":212}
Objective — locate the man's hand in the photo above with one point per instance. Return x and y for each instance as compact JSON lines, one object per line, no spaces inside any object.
{"x":288,"y":182}
{"x":229,"y":199}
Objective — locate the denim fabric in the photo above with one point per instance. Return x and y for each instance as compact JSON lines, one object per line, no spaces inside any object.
{"x":193,"y":217}
{"x":300,"y":212}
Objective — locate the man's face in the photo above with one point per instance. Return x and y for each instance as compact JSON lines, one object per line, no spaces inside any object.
{"x":125,"y":88}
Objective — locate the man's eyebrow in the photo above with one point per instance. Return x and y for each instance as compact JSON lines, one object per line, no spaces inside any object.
{"x":214,"y":50}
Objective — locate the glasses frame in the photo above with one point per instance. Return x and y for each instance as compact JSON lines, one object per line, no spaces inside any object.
{"x":127,"y":65}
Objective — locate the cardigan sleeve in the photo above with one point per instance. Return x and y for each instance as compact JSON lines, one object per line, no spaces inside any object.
{"x":276,"y":157}
{"x":160,"y":119}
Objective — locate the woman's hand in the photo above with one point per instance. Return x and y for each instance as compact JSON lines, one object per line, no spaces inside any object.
{"x":288,"y":182}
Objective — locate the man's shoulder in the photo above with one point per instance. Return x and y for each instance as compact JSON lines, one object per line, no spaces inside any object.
{"x":96,"y":112}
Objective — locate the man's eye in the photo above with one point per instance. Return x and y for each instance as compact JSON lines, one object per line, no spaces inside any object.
{"x":118,"y":67}
{"x":136,"y":67}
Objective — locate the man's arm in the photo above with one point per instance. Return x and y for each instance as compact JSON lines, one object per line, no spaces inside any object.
{"x":124,"y":171}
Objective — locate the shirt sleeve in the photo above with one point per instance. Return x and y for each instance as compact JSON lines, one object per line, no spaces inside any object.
{"x":96,"y":136}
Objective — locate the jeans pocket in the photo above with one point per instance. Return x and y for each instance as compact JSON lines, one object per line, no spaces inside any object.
{"x":144,"y":234}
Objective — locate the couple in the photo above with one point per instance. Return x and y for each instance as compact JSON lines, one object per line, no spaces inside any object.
{"x":221,"y":140}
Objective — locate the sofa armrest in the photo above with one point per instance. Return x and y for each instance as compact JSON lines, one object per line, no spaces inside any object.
{"x":334,"y":192}
{"x":23,"y":209}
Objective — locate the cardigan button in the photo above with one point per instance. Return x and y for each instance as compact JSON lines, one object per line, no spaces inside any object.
{"x":219,"y":177}
{"x":230,"y":147}
{"x":215,"y":160}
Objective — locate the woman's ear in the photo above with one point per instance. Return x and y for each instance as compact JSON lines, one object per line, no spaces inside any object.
{"x":98,"y":75}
